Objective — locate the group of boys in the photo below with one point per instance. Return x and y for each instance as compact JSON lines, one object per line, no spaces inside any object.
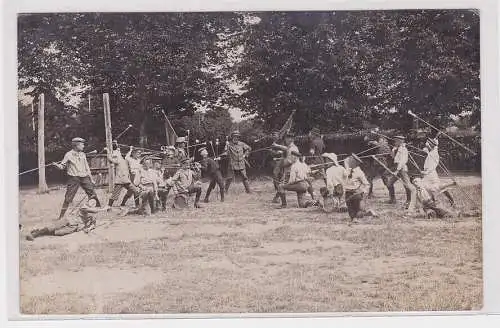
{"x":348,"y":182}
{"x":150,"y":184}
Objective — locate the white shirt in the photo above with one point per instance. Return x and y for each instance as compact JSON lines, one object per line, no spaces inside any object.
{"x":401,"y":158}
{"x":76,"y":164}
{"x":134,"y":165}
{"x":356,"y":180}
{"x":289,"y":153}
{"x":335,"y":175}
{"x":299,"y":172}
{"x":431,"y":161}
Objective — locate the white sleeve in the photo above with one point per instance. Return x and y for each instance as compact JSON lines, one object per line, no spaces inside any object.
{"x":293,"y":174}
{"x":329,"y":183}
{"x":403,"y":158}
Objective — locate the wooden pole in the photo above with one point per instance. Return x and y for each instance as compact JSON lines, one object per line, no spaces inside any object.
{"x":109,"y":141}
{"x":42,"y":182}
{"x":33,"y":114}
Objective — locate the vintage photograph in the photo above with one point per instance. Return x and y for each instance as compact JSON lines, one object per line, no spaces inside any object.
{"x":249,"y":162}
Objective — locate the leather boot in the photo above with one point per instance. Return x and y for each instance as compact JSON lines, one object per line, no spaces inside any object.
{"x":247,"y":186}
{"x":276,"y":198}
{"x":228,"y":184}
{"x":283,"y":200}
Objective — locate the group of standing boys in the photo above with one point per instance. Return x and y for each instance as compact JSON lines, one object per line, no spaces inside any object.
{"x":149,"y":183}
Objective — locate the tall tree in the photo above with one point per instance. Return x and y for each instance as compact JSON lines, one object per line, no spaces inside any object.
{"x":146,"y":62}
{"x":342,"y":70}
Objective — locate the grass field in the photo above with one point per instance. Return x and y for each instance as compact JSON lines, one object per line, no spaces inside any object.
{"x":247,"y":256}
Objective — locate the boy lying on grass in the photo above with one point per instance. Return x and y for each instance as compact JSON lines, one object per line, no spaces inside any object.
{"x":429,"y":204}
{"x":82,"y":220}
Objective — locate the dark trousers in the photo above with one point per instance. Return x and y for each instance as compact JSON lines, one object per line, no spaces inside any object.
{"x":353,"y":201}
{"x":243,"y":174}
{"x":132,"y":189}
{"x":148,"y":197}
{"x":163,"y":194}
{"x":192,"y":189}
{"x":195,"y":189}
{"x":432,"y":205}
{"x":72,"y":188}
{"x":131,"y":193}
{"x":300,"y":188}
{"x":409,"y":189}
{"x":216,"y":178}
{"x":58,"y":228}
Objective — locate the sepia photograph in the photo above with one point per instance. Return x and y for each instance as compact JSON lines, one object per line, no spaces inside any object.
{"x":249,"y":162}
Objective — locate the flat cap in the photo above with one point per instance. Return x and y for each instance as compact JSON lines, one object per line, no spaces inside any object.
{"x":180,"y":139}
{"x":77,"y":139}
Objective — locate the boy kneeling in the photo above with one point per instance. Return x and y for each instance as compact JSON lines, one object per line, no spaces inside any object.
{"x":356,"y":186}
{"x":185,"y":182}
{"x":335,"y":178}
{"x":300,"y":182}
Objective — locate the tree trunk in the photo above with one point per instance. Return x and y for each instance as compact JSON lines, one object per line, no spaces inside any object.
{"x":143,"y":137}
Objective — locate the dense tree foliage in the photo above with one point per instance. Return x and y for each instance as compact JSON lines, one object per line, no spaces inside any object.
{"x":148,"y":63}
{"x":341,"y":70}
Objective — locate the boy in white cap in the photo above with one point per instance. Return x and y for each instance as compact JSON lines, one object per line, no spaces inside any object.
{"x":401,"y":170}
{"x":79,"y":175}
{"x":212,"y":169}
{"x":82,"y":220}
{"x":430,"y":176}
{"x":356,"y":187}
{"x":237,"y":152}
{"x":336,"y":176}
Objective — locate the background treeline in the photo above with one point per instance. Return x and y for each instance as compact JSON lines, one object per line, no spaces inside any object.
{"x":341,"y":72}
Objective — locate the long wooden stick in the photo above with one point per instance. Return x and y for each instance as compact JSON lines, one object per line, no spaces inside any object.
{"x":443,"y":133}
{"x":42,"y":182}
{"x":384,"y":166}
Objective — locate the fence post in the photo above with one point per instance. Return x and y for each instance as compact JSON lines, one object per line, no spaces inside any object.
{"x":42,"y":182}
{"x":109,"y":141}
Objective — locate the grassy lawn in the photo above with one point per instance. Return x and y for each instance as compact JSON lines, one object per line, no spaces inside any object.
{"x":245,"y":255}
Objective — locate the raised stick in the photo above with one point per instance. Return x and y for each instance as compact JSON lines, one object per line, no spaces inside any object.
{"x":441,"y":132}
